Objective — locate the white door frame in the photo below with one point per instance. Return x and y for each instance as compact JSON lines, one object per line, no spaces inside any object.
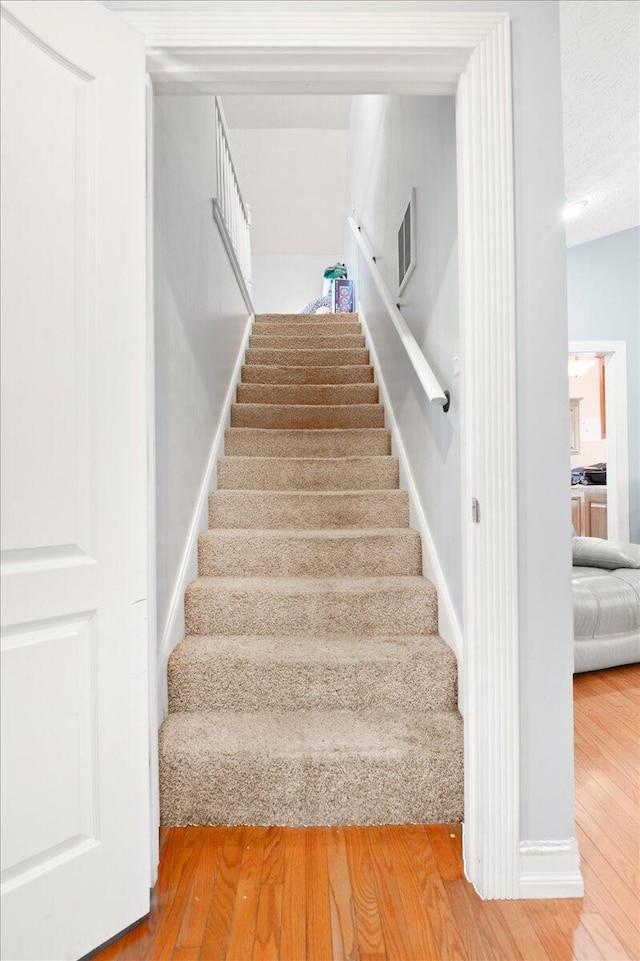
{"x":615,"y":352}
{"x":209,"y":51}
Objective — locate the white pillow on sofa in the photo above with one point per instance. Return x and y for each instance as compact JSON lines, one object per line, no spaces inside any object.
{"x":608,"y":555}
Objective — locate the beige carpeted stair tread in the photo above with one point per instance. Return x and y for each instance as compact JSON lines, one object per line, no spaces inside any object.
{"x":311,"y":767}
{"x":331,"y":394}
{"x":231,"y":673}
{"x":303,"y":357}
{"x":312,"y":687}
{"x":266,"y":374}
{"x":377,"y":552}
{"x":313,"y":605}
{"x":308,"y":473}
{"x":308,"y":510}
{"x":308,"y":416}
{"x":307,"y":341}
{"x":261,"y":442}
{"x":328,"y":328}
{"x":306,"y":318}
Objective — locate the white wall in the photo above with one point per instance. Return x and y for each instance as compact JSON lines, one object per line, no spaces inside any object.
{"x":545,"y":608}
{"x":604,"y":304}
{"x":398,"y":143}
{"x":284,"y":283}
{"x":200,"y":320}
{"x":294,"y":182}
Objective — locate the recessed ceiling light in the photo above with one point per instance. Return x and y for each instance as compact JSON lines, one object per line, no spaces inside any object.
{"x":573,"y":209}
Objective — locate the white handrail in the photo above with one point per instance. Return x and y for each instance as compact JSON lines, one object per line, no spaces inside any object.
{"x":228,"y":201}
{"x":426,"y":376}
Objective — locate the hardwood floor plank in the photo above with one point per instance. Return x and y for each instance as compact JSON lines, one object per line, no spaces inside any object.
{"x":418,"y":918}
{"x":600,"y":790}
{"x":608,"y":895}
{"x":628,"y":688}
{"x":268,"y":923}
{"x":523,"y":931}
{"x":274,"y":856}
{"x":188,"y":953}
{"x":245,"y":908}
{"x":555,"y":935}
{"x":318,"y":906}
{"x":583,"y":947}
{"x":392,"y":916}
{"x":413,"y":843}
{"x":293,"y":937}
{"x":174,"y":886}
{"x":604,"y":938}
{"x":466,"y":909}
{"x":604,"y":833}
{"x":193,"y":925}
{"x":498,"y":930}
{"x":601,"y":717}
{"x":447,"y":854}
{"x":592,"y":758}
{"x":366,"y":899}
{"x":343,"y":923}
{"x":600,"y":690}
{"x":216,"y":932}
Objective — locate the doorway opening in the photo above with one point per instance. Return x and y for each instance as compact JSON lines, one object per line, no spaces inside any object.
{"x":598,"y":439}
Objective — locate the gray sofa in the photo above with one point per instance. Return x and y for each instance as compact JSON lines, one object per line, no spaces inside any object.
{"x":606,"y":603}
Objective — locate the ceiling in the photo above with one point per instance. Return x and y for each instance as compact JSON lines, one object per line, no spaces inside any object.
{"x":600,"y":49}
{"x":600,"y":52}
{"x":302,"y":111}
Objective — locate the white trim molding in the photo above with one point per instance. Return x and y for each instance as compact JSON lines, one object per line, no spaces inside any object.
{"x":174,"y":626}
{"x":489,"y":468}
{"x":231,"y":51}
{"x":469,"y":54}
{"x":550,"y":869}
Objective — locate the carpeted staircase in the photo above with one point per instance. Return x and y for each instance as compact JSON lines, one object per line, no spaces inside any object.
{"x":312,"y":687}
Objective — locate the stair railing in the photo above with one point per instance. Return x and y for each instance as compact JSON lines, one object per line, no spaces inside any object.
{"x":230,"y":211}
{"x":419,"y":362}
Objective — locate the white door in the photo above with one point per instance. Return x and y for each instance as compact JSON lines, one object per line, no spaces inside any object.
{"x":75,"y":808}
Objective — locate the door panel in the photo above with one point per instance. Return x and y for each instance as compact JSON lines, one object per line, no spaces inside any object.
{"x":75,"y":843}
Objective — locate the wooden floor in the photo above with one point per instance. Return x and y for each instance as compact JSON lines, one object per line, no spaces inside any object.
{"x":370,"y":894}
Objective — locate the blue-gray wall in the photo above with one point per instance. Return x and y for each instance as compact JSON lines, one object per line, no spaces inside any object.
{"x":603,"y":298}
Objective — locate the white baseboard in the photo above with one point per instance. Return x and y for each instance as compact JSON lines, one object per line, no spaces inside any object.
{"x":188,"y":570}
{"x":448,"y":625}
{"x":550,"y":869}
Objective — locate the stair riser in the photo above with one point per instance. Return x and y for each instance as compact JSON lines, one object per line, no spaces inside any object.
{"x":304,"y":318}
{"x":301,"y":790}
{"x":325,"y":357}
{"x":241,"y":510}
{"x":234,"y":683}
{"x":265,"y":374}
{"x":306,"y":417}
{"x":257,"y":554}
{"x":309,"y":329}
{"x":213,"y":609}
{"x":250,"y":442}
{"x":308,"y":342}
{"x":324,"y":474}
{"x":335,"y":394}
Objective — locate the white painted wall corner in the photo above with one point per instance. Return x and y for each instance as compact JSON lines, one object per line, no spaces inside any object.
{"x":188,"y":570}
{"x":550,"y":869}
